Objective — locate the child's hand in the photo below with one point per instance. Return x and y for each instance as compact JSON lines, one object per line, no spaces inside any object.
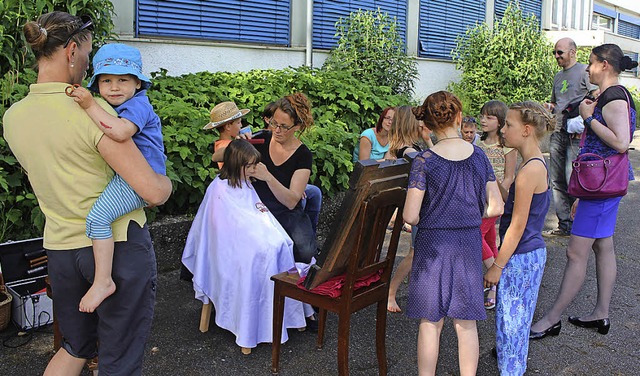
{"x":492,"y":276}
{"x":83,"y":97}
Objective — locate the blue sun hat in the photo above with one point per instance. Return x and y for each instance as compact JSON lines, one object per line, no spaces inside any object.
{"x":117,"y":58}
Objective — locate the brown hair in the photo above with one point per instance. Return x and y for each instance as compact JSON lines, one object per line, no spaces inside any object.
{"x":499,"y":110}
{"x":439,"y":110}
{"x":298,"y":107}
{"x":383,"y":114}
{"x":534,"y":114}
{"x":614,"y":55}
{"x":51,"y":31}
{"x":237,"y":155}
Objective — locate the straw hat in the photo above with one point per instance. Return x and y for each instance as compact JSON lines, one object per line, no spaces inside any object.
{"x":224,"y":112}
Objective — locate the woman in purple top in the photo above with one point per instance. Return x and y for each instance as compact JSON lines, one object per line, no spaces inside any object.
{"x":450,"y":186}
{"x":609,"y":123}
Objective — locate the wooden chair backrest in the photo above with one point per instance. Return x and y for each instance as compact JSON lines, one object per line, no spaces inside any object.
{"x":359,"y":224}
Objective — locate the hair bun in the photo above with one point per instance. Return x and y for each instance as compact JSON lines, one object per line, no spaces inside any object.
{"x":626,"y":63}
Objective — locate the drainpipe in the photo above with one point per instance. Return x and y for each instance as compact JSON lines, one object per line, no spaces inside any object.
{"x":309,"y":47}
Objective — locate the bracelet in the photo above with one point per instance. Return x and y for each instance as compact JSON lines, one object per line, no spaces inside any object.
{"x":499,"y":267}
{"x":587,"y":121}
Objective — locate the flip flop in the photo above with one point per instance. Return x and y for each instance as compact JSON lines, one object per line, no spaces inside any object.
{"x":489,"y":303}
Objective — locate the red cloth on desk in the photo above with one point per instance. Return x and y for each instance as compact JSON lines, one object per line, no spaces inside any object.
{"x":333,"y":286}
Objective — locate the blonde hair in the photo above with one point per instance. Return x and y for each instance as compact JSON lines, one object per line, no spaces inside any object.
{"x":534,"y":114}
{"x":405,"y":130}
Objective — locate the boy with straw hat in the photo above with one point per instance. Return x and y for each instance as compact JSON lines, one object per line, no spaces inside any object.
{"x":227,"y":118}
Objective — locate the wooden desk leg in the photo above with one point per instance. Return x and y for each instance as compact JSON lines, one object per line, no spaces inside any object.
{"x":205,"y":316}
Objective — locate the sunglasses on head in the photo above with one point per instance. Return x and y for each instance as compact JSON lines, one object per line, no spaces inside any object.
{"x":87,"y":24}
{"x":468,"y":119}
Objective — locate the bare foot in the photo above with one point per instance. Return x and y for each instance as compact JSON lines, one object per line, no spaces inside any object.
{"x":392,"y":305}
{"x":98,"y":292}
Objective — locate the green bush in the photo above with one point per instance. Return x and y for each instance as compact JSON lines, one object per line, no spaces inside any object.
{"x":342,"y":107}
{"x":371,"y":48}
{"x":510,"y":61}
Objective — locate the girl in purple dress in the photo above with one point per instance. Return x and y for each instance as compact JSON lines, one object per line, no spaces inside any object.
{"x":451,"y":187}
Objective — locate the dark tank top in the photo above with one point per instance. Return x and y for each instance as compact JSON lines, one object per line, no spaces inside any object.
{"x":532,"y":236}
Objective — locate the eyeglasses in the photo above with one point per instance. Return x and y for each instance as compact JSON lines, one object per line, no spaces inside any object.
{"x":468,"y":119}
{"x":87,"y":23}
{"x":388,"y":118}
{"x":275,"y":125}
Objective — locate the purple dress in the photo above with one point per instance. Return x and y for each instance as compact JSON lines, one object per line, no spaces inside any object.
{"x":446,"y":276}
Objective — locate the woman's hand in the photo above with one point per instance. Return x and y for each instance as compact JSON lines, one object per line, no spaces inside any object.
{"x":260,"y":172}
{"x":573,"y":209}
{"x":492,"y":276}
{"x":587,"y":107}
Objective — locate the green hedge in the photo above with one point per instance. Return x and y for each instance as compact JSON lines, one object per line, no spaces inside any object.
{"x":342,"y":107}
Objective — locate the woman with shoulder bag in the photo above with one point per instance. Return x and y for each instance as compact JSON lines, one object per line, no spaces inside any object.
{"x":609,"y":123}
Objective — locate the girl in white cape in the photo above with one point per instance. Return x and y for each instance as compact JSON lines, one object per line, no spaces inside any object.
{"x":234,"y":247}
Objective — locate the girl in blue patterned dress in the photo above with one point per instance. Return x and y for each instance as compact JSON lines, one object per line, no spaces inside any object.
{"x":517,"y":270}
{"x":450,"y":186}
{"x":609,"y":123}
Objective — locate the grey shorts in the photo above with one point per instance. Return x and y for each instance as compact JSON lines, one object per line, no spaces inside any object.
{"x":122,"y":323}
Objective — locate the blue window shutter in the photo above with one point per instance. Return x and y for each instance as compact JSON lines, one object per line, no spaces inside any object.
{"x":627,"y":28}
{"x":251,"y":21}
{"x":528,"y":7}
{"x":441,"y":21}
{"x":327,"y":12}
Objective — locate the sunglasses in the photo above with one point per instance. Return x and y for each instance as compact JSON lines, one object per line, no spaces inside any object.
{"x":557,"y":52}
{"x":468,"y":119}
{"x":275,"y":125}
{"x":87,"y":24}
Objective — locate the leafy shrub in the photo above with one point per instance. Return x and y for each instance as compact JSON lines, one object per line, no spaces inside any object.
{"x":510,"y":62}
{"x":342,"y":106}
{"x":371,"y":48}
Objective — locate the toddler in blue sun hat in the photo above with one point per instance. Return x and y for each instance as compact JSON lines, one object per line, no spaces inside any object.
{"x":119,"y":80}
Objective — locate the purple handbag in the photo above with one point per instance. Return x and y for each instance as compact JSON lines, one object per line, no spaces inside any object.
{"x":595,"y":177}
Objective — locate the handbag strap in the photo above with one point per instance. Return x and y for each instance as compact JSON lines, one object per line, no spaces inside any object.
{"x":583,"y":137}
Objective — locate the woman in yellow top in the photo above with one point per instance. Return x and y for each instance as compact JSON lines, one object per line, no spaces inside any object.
{"x":69,"y":163}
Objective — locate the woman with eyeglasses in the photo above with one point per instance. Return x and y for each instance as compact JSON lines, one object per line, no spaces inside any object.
{"x":374,"y":142}
{"x":69,"y":162}
{"x":284,"y":170}
{"x":609,"y":121}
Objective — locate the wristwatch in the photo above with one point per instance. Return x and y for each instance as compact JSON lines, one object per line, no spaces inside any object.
{"x":587,"y":121}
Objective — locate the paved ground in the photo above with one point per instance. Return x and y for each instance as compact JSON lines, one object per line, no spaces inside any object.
{"x":177,"y":347}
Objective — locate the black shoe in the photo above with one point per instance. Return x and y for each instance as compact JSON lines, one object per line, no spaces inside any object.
{"x":554,"y":330}
{"x":312,"y":325}
{"x":602,"y":325}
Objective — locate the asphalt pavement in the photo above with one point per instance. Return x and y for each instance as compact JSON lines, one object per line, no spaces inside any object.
{"x":177,"y":347}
